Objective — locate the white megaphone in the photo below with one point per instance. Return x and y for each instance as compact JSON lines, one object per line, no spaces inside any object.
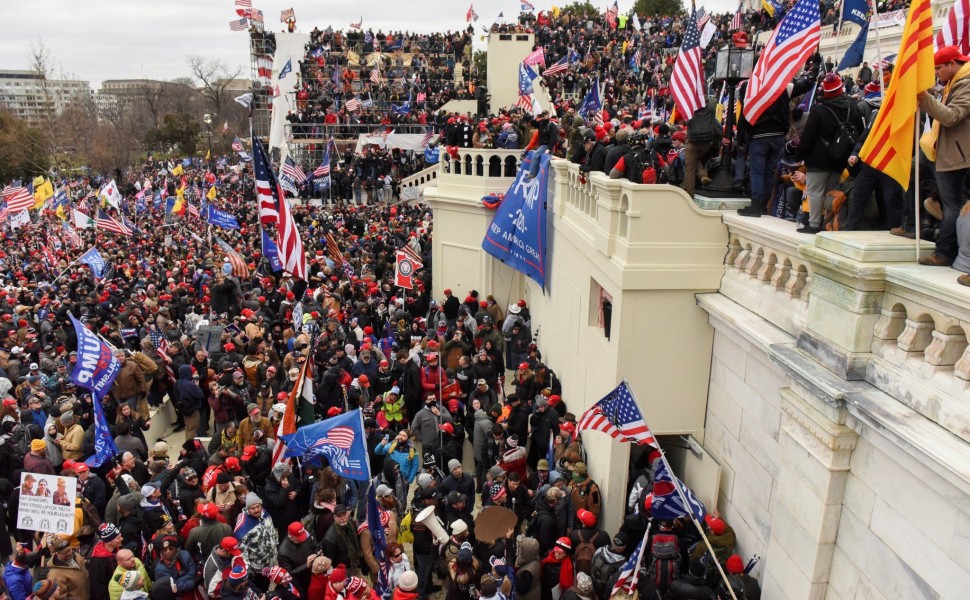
{"x":427,"y":518}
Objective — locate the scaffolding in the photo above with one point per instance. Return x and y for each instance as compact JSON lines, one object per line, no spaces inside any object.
{"x":262,"y":48}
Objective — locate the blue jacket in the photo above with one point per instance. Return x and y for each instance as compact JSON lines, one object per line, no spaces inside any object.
{"x":182,"y":572}
{"x":189,"y":392}
{"x":20,"y":583}
{"x":407,"y":458}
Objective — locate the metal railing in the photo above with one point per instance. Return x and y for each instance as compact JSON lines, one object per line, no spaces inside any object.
{"x":319,"y":132}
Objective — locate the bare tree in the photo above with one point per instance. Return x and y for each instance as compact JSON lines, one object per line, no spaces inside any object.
{"x":214,"y":79}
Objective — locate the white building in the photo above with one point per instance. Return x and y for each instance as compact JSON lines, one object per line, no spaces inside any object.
{"x":29,"y":95}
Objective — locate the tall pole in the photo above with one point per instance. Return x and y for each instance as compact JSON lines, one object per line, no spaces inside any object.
{"x":875,"y":22}
{"x":916,"y":206}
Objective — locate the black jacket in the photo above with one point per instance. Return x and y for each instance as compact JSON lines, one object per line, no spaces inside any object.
{"x":821,"y":127}
{"x":595,"y":159}
{"x":776,"y":119}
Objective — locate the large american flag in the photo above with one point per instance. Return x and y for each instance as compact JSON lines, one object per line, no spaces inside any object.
{"x":687,"y":77}
{"x":69,"y":232}
{"x":611,"y":14}
{"x":738,"y":21}
{"x":558,"y":67}
{"x":104,"y":221}
{"x":242,"y":5}
{"x":324,"y":169}
{"x":702,"y":18}
{"x":293,"y":170}
{"x":956,"y":29}
{"x":268,"y":188}
{"x":162,"y":345}
{"x":618,"y":415}
{"x":236,"y":261}
{"x":792,"y":42}
{"x":18,"y":198}
{"x":237,"y":145}
{"x":630,"y":572}
{"x":239,"y":25}
{"x":193,"y":211}
{"x":352,"y":104}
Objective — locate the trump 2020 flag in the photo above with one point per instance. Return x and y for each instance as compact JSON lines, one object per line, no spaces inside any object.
{"x":340,"y":439}
{"x":667,"y":503}
{"x":220,"y":218}
{"x":380,"y":541}
{"x":96,"y":370}
{"x":272,"y":253}
{"x":92,"y":258}
{"x":517,"y":234}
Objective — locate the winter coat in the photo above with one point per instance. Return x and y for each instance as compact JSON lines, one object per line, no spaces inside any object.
{"x":100,"y":567}
{"x":114,"y":586}
{"x":480,"y":434}
{"x":545,"y":527}
{"x":821,"y":127}
{"x":527,"y":569}
{"x":182,"y":571}
{"x":189,"y":393}
{"x":407,"y":458}
{"x":18,"y":580}
{"x":425,"y":425}
{"x":258,"y":540}
{"x":953,"y":143}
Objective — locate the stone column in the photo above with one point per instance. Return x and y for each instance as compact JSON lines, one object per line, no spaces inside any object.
{"x":807,"y":498}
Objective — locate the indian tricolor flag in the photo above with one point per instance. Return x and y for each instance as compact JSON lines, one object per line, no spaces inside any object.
{"x":304,"y":389}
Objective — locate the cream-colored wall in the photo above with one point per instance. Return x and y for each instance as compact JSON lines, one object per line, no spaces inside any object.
{"x":503,"y":61}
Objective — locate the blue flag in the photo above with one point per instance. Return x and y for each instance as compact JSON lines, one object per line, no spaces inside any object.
{"x":186,"y":162}
{"x":286,"y":68}
{"x":272,"y":253}
{"x":853,"y":55}
{"x":857,"y":11}
{"x":92,"y":258}
{"x":340,"y":439}
{"x":380,"y":541}
{"x":517,"y":235}
{"x":96,"y":370}
{"x":591,"y":103}
{"x":525,"y":80}
{"x":667,"y":504}
{"x":220,"y":218}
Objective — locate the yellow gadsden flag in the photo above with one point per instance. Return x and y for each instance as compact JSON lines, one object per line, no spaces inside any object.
{"x":889,"y":147}
{"x":43,"y":191}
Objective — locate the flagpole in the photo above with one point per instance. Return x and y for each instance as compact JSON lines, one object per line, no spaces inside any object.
{"x":916,"y":206}
{"x":875,"y":13}
{"x":683,"y":499}
{"x":838,"y":34}
{"x":66,"y":269}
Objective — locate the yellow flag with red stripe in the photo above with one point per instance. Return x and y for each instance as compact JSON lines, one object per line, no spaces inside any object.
{"x":889,"y":147}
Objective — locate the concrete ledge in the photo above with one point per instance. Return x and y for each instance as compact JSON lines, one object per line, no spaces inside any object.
{"x":731,"y":204}
{"x":870,"y":246}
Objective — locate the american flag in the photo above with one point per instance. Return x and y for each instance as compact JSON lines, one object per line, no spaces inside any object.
{"x":17,"y":198}
{"x":738,"y":21}
{"x":375,"y":75}
{"x":558,"y":67}
{"x":4,"y":212}
{"x":160,"y":341}
{"x":630,"y":572}
{"x":288,"y":422}
{"x":427,"y":137}
{"x":71,"y":235}
{"x":291,"y":169}
{"x":526,"y":6}
{"x":237,"y":145}
{"x":240,"y":25}
{"x":324,"y":169}
{"x":702,"y":18}
{"x":471,"y":15}
{"x":268,"y":191}
{"x":618,"y":415}
{"x":358,"y":24}
{"x":193,"y":211}
{"x":236,"y":261}
{"x":792,"y":42}
{"x":956,"y":29}
{"x":611,"y":14}
{"x":352,"y":104}
{"x":525,"y":102}
{"x":104,"y":221}
{"x":242,"y":5}
{"x":253,"y":14}
{"x":687,"y":77}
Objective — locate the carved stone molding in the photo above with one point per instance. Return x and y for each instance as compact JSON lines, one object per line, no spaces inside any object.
{"x":830,"y":443}
{"x":846,"y":297}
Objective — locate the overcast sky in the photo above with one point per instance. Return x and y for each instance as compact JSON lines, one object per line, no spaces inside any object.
{"x":127,"y":39}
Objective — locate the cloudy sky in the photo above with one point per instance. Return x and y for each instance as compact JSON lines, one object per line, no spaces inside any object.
{"x":124,"y":39}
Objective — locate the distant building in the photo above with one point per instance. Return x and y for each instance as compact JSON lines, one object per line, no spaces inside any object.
{"x":29,"y":95}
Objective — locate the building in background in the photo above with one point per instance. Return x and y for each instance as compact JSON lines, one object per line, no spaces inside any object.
{"x":29,"y":95}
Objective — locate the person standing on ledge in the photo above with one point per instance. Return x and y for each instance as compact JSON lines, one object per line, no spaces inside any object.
{"x":951,"y":128}
{"x":544,"y":140}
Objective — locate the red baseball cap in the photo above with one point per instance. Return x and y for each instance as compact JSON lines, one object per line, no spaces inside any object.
{"x":232,"y":464}
{"x":296,"y":530}
{"x":948,"y":53}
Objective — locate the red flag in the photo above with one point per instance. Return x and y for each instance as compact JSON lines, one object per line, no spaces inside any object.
{"x":404,"y":268}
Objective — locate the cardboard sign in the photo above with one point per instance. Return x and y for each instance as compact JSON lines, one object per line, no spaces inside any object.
{"x":47,"y":503}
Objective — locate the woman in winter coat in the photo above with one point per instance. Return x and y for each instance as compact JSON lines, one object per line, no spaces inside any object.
{"x":557,"y":570}
{"x":138,"y":425}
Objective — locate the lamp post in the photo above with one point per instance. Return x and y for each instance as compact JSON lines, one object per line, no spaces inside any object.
{"x":207,"y":119}
{"x":735,"y":62}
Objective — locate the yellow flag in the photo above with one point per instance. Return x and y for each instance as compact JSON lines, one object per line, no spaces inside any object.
{"x":211,"y":194}
{"x":555,"y":11}
{"x":208,"y":154}
{"x":889,"y":147}
{"x":61,"y":214}
{"x":177,"y":170}
{"x":43,"y":191}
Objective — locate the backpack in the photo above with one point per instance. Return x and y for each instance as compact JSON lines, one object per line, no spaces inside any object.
{"x":835,"y":217}
{"x":22,"y":441}
{"x":601,"y":571}
{"x":148,"y":366}
{"x":637,"y":160}
{"x":583,"y":554}
{"x":665,"y":560}
{"x":703,"y":126}
{"x":841,"y":146}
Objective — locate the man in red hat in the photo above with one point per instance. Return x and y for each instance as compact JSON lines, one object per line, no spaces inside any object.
{"x":952,"y":131}
{"x":831,"y":118}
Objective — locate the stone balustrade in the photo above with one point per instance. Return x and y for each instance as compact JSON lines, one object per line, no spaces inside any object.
{"x":479,"y":162}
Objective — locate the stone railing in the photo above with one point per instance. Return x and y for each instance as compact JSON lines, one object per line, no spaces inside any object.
{"x":412,"y":185}
{"x":764,"y":273}
{"x":479,"y":163}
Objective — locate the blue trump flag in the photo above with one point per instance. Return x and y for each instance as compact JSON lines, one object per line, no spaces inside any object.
{"x":220,"y":218}
{"x":857,"y":11}
{"x":591,"y":103}
{"x":92,"y":258}
{"x":517,"y":234}
{"x":340,"y":439}
{"x":272,"y":253}
{"x":853,"y":55}
{"x":286,"y":68}
{"x":667,"y":503}
{"x":380,"y":541}
{"x":96,"y":370}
